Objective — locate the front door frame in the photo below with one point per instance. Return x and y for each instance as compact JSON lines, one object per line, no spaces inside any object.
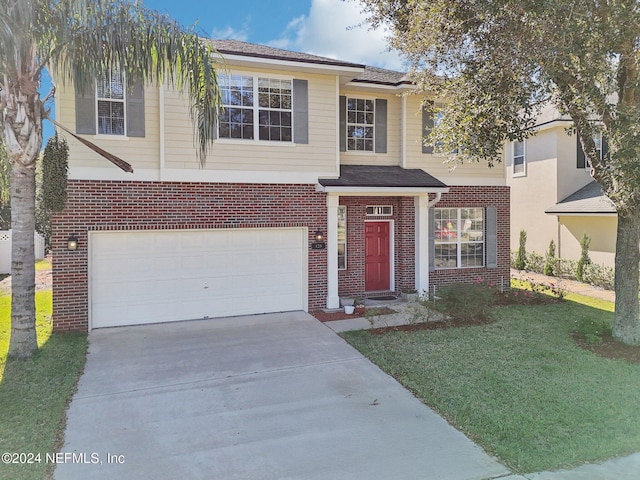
{"x":392,"y":256}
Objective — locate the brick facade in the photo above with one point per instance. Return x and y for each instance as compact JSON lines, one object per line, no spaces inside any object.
{"x":115,"y":205}
{"x":479,"y":196}
{"x":351,"y":280}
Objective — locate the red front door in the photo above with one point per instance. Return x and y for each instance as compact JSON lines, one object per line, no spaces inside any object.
{"x":376,"y":252}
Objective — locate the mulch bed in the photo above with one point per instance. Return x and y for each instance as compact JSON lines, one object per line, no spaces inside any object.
{"x":413,"y":327}
{"x":340,"y":315}
{"x":609,"y":348}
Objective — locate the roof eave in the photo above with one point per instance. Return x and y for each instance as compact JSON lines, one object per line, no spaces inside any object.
{"x":380,"y":191}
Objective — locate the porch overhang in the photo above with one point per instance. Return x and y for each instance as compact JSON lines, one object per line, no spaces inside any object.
{"x":381,"y":180}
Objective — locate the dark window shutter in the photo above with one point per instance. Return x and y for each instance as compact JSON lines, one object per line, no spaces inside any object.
{"x":491,"y":243}
{"x":300,"y":111}
{"x":432,"y":239}
{"x":135,"y":111}
{"x":86,"y":111}
{"x":427,"y":125}
{"x":381,"y":126}
{"x":342,"y":100}
{"x":581,"y":160}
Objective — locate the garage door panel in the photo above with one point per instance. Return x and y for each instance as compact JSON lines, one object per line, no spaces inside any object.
{"x":156,"y":276}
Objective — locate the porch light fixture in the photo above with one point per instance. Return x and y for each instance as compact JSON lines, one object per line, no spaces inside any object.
{"x":72,"y":243}
{"x":319,"y":236}
{"x":318,"y":241}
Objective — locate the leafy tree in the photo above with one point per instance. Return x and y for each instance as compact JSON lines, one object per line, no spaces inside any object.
{"x":79,"y":40}
{"x":501,"y":62}
{"x":5,"y":212}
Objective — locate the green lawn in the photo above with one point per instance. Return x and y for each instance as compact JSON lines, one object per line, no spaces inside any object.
{"x":520,"y":387}
{"x":34,"y":393}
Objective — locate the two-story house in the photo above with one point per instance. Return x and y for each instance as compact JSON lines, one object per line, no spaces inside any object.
{"x":554,"y":197}
{"x":318,"y":186}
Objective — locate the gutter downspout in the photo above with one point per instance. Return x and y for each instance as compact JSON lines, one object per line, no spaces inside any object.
{"x":435,"y":200}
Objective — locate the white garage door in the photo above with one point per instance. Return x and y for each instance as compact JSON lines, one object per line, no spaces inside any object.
{"x":161,"y":276}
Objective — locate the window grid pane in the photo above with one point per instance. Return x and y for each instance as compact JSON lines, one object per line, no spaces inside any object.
{"x":275,"y":113}
{"x":236,"y":119}
{"x":360,"y":121}
{"x":459,"y":237}
{"x":342,"y":237}
{"x":110,"y":94}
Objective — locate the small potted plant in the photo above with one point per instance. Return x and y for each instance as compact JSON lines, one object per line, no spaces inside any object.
{"x":358,"y":303}
{"x":410,"y":294}
{"x":349,"y":309}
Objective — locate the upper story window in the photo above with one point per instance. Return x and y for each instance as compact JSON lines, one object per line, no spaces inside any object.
{"x":265,"y":116}
{"x":602,"y":150}
{"x":111,"y":101}
{"x":360,"y":124}
{"x":519,"y":159}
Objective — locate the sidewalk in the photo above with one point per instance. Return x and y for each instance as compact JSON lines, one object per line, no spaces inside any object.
{"x":572,"y":286}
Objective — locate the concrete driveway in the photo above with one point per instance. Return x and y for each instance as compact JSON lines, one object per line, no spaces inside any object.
{"x":276,"y":396}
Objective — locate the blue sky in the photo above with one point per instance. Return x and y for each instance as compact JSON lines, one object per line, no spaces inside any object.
{"x":331,"y":28}
{"x":323,"y":27}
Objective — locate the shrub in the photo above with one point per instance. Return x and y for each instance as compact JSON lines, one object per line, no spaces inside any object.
{"x":566,"y":268}
{"x":550,"y":260}
{"x":599,"y":276}
{"x":521,"y":256}
{"x":585,"y":241}
{"x":535,"y":262}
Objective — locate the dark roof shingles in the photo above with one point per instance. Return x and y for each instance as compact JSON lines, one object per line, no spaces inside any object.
{"x":589,"y":199}
{"x":382,"y":176}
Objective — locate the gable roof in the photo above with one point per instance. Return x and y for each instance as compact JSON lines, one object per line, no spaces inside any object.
{"x":245,"y":49}
{"x":374,"y":75}
{"x":589,"y":200}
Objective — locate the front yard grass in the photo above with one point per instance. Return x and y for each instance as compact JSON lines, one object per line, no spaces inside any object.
{"x":520,"y":387}
{"x":34,"y":393}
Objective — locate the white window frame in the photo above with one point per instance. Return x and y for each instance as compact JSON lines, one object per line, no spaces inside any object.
{"x":256,"y":108}
{"x":459,"y":242}
{"x":123,"y":101}
{"x":343,"y":209}
{"x":363,"y":125}
{"x":381,"y":212}
{"x":523,"y":173}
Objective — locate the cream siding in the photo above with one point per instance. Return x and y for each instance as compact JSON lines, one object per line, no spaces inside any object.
{"x":247,"y":155}
{"x":600,"y":229}
{"x":394,"y":124}
{"x":141,"y":153}
{"x":439,"y":165}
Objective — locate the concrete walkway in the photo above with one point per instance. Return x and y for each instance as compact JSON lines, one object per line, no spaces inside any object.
{"x":566,"y":284}
{"x":271,"y":397}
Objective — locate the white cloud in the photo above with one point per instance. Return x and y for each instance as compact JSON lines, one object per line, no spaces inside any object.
{"x":230,"y":32}
{"x":337,"y":29}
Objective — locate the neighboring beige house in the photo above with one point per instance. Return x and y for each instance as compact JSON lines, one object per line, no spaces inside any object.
{"x":318,"y":187}
{"x":554,"y":197}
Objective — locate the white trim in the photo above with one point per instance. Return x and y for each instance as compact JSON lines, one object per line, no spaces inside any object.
{"x":469,"y":181}
{"x":392,"y":253}
{"x":422,"y":205}
{"x":513,"y":159}
{"x":382,"y":191}
{"x":337,"y":105}
{"x":251,"y":141}
{"x":333,"y":299}
{"x":196,"y":175}
{"x":106,"y":136}
{"x":240,"y":60}
{"x":403,"y":132}
{"x":600,"y":214}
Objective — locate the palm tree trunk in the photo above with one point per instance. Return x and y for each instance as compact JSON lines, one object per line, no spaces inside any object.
{"x":626,"y":326}
{"x":23,"y":341}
